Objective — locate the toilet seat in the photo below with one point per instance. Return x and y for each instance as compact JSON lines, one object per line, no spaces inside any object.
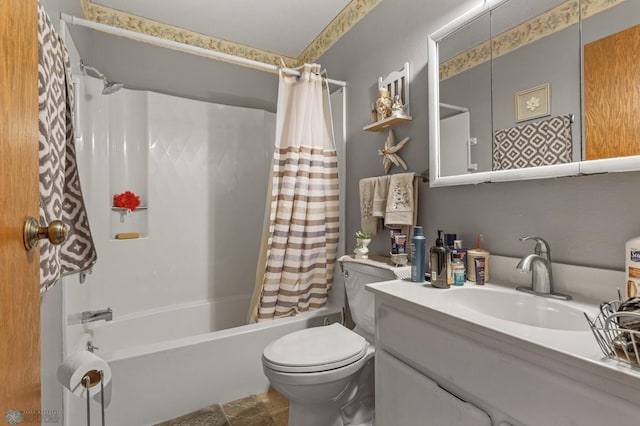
{"x":315,"y":349}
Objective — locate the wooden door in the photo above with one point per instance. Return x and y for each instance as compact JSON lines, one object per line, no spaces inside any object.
{"x":19,"y":270}
{"x":612,"y":95}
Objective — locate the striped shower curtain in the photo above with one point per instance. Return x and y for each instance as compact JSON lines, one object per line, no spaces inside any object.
{"x":298,"y":254}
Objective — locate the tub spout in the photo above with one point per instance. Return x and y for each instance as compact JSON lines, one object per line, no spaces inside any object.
{"x":92,"y":316}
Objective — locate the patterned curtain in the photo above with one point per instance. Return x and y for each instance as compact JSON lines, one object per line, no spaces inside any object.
{"x":298,"y":255}
{"x":60,"y":192}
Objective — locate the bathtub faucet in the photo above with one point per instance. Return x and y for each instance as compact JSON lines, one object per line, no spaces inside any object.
{"x":91,"y":316}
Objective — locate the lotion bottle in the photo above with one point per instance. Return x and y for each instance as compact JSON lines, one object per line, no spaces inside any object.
{"x":417,"y":255}
{"x":440,"y":264}
{"x":632,"y":266}
{"x":471,"y":265}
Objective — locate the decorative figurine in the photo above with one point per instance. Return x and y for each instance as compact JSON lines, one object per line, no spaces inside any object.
{"x":390,"y":152}
{"x":397,"y":109}
{"x":383,"y":104}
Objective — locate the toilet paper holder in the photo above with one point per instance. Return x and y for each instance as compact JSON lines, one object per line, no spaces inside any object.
{"x":90,"y":379}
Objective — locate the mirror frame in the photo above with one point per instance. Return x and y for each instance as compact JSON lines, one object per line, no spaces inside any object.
{"x":607,"y":165}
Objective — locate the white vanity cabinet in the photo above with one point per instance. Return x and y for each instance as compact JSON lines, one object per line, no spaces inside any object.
{"x":511,"y":379}
{"x":411,"y":398}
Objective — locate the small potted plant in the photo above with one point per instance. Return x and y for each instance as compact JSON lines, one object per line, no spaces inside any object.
{"x":362,"y":241}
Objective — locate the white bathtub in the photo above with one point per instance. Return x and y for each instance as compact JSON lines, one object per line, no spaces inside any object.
{"x":118,"y":338}
{"x":157,"y":376}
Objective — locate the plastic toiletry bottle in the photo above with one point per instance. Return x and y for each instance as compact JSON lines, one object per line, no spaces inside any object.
{"x":449,"y":240}
{"x":632,"y":266}
{"x":479,"y":264}
{"x":393,"y":232}
{"x":462,"y":251}
{"x":417,"y":255}
{"x":457,"y":268}
{"x":471,"y":264}
{"x":440,"y":262}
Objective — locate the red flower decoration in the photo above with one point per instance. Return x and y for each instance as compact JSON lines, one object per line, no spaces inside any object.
{"x":127,"y":200}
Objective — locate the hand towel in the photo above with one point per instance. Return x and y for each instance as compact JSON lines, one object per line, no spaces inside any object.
{"x":380,"y":193}
{"x":400,"y":201}
{"x":559,"y":141}
{"x":368,"y":222}
{"x":60,"y":192}
{"x":373,"y":202}
{"x":540,"y":143}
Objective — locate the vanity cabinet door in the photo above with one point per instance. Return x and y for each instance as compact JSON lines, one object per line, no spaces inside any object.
{"x":405,"y":396}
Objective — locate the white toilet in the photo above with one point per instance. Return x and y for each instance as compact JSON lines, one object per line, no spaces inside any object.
{"x":327,"y":372}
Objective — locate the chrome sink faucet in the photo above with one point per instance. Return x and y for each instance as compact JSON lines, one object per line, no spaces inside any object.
{"x":91,"y":316}
{"x":539,"y":264}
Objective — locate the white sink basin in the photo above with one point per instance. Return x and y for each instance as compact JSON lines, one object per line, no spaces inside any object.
{"x":514,"y":306}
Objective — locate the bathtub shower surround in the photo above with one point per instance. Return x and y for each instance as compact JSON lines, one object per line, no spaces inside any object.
{"x":200,"y":171}
{"x":180,"y":292}
{"x":298,"y":253}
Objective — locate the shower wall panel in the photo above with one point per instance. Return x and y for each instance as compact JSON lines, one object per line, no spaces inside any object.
{"x":202,"y":169}
{"x":128,"y":159}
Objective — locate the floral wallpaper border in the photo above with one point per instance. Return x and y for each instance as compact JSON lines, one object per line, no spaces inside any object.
{"x":543,"y":25}
{"x":343,"y":22}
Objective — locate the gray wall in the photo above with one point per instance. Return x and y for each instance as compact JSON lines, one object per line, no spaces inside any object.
{"x":586,"y":219}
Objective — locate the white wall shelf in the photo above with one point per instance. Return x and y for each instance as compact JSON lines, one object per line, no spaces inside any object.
{"x":387,"y":123}
{"x":123,"y":210}
{"x":397,"y":83}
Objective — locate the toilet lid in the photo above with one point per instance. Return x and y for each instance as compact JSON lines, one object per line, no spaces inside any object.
{"x":315,"y":349}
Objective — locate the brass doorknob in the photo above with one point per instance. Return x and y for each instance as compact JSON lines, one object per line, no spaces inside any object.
{"x":56,"y":233}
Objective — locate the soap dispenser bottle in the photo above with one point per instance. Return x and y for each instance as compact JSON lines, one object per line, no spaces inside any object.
{"x":440,"y":261}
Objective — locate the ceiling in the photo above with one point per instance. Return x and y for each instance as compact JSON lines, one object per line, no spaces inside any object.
{"x":271,"y":31}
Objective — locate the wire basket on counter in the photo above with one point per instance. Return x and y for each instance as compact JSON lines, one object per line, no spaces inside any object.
{"x":617,"y":330}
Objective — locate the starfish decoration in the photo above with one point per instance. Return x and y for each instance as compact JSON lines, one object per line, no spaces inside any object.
{"x":389,"y":153}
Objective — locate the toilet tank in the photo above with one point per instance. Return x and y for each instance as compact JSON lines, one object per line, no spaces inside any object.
{"x":362,"y":302}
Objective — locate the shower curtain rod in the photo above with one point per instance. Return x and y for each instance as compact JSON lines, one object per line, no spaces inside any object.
{"x":181,"y":46}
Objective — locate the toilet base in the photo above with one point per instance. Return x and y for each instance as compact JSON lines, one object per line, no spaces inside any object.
{"x":354,"y":407}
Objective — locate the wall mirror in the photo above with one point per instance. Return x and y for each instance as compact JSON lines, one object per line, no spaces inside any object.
{"x":529,"y":90}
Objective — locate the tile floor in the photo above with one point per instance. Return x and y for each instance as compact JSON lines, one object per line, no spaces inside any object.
{"x":266,"y":409}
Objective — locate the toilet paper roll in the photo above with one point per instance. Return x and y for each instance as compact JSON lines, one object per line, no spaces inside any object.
{"x":76,"y":366}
